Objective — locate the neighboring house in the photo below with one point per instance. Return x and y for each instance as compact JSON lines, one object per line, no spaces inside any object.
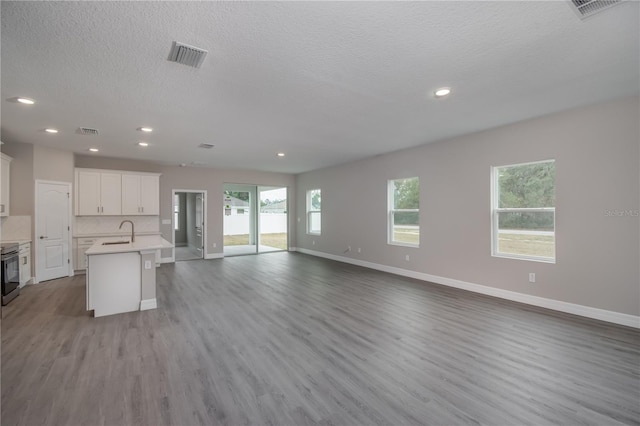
{"x":235,"y":206}
{"x":277,"y":207}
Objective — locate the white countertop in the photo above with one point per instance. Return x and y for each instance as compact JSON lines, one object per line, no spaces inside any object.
{"x":142,"y":242}
{"x":19,"y":242}
{"x":115,"y":234}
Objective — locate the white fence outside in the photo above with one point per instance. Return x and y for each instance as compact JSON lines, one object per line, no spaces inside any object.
{"x":270,"y":223}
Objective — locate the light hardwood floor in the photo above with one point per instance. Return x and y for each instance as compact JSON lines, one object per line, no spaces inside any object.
{"x":289,"y":339}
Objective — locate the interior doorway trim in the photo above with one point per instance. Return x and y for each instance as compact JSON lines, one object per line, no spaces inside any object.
{"x":36,"y":228}
{"x":204,"y":217}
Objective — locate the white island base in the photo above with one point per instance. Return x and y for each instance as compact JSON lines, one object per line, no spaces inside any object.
{"x":122,"y":278}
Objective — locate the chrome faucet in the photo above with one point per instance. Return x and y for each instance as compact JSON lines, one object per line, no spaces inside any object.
{"x":133,"y":235}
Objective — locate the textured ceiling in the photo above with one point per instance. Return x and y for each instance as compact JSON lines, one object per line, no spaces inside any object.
{"x":325,"y":82}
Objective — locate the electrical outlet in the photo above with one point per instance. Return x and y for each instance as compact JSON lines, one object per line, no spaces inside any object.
{"x":147,"y":264}
{"x":359,"y":250}
{"x":313,"y":242}
{"x":407,"y":258}
{"x":532,"y":277}
{"x":215,"y":245}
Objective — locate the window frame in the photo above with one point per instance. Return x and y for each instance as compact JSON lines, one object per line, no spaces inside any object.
{"x":391,"y":211}
{"x":496,"y":210}
{"x":311,"y":211}
{"x":176,"y":212}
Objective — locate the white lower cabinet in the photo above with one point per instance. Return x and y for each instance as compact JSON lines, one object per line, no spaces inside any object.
{"x":25,"y":263}
{"x":82,"y":245}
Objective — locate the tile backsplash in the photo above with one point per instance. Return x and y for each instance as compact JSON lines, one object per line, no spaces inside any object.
{"x":98,"y":225}
{"x":14,"y":228}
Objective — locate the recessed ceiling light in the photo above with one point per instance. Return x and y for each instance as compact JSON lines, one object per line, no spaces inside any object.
{"x":143,"y":144}
{"x":145,"y":129}
{"x":22,"y":100}
{"x":441,"y":92}
{"x":280,"y":154}
{"x":50,"y":130}
{"x":93,"y":149}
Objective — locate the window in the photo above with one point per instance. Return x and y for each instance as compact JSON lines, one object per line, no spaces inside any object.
{"x":314,"y":215}
{"x":404,"y":212}
{"x":524,"y":213}
{"x":176,"y":212}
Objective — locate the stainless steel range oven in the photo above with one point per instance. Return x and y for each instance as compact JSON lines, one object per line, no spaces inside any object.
{"x":10,"y":272}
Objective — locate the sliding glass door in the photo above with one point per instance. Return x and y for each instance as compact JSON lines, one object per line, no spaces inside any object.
{"x":255,"y":219}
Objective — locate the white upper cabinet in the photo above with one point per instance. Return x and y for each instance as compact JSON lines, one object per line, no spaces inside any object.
{"x":5,"y":172}
{"x":106,"y":192}
{"x":140,"y":194}
{"x":98,"y":193}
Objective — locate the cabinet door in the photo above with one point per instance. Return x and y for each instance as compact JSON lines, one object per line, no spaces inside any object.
{"x":111,"y":193}
{"x":82,"y":257}
{"x":131,"y":195}
{"x":88,"y":202}
{"x":149,"y":195}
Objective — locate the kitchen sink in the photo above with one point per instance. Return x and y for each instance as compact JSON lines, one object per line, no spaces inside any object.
{"x":110,"y":243}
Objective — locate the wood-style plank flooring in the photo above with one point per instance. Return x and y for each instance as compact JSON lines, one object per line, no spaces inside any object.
{"x":289,"y":339}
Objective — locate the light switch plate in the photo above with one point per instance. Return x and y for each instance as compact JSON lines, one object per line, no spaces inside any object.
{"x":166,"y":221}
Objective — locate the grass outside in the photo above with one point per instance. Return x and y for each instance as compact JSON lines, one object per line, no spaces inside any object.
{"x":406,"y":235}
{"x":278,"y":241}
{"x":528,"y":245}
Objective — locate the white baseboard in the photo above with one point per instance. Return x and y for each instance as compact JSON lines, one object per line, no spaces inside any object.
{"x":147,"y":304}
{"x":556,"y":305}
{"x":293,"y":249}
{"x":214,"y":255}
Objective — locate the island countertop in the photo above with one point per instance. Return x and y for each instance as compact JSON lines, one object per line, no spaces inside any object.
{"x":142,"y":242}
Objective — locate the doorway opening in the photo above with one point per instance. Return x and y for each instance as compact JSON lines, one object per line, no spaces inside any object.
{"x":255,"y":219}
{"x":189,"y":224}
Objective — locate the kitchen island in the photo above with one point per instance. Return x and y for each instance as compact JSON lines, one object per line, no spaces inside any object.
{"x":121,"y":275}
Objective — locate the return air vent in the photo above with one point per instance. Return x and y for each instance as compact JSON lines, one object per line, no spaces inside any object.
{"x":187,"y":55}
{"x":206,"y":145}
{"x":587,"y":8}
{"x":87,"y":131}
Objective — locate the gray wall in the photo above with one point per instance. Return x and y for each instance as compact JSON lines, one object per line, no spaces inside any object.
{"x":181,"y":233}
{"x":22,"y":185}
{"x":191,"y":219}
{"x":53,"y":164}
{"x":597,"y":169}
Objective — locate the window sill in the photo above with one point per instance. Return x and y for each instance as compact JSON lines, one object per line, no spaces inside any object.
{"x":399,"y":244}
{"x":527,"y":258}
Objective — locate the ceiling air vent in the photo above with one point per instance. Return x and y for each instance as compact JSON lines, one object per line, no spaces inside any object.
{"x":206,"y":145}
{"x":587,"y":8}
{"x":187,"y":55}
{"x":87,"y":131}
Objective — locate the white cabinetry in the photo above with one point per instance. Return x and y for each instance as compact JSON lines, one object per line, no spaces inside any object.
{"x":82,"y":245}
{"x":98,"y":193}
{"x":140,"y":194}
{"x":25,"y":263}
{"x":5,"y":172}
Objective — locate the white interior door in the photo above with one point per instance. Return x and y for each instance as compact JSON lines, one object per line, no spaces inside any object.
{"x":52,"y":230}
